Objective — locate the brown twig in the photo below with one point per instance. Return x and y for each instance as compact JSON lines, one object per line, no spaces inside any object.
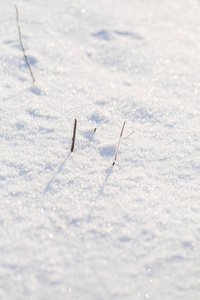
{"x":117,"y":149}
{"x":22,"y":46}
{"x":128,"y":135}
{"x":74,"y":135}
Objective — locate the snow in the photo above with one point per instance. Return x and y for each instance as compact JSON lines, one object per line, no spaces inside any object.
{"x":73,"y":226}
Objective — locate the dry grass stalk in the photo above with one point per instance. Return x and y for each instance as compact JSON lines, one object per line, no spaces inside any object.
{"x":117,"y":149}
{"x":128,"y":135}
{"x":74,"y":135}
{"x":22,"y":46}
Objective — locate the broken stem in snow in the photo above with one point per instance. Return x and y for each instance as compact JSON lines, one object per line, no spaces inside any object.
{"x":117,"y":149}
{"x":22,"y":46}
{"x":74,"y":135}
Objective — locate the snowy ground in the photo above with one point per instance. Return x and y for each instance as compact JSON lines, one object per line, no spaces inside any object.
{"x":71,"y":225}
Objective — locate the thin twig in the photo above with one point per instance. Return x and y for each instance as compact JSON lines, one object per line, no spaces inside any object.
{"x":117,"y":149}
{"x":74,"y":135}
{"x":22,"y":46}
{"x":128,"y":135}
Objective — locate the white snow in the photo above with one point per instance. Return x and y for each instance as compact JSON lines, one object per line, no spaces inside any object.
{"x":73,"y":226}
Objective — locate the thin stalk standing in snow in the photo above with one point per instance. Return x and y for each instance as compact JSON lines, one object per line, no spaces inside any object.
{"x":22,"y":46}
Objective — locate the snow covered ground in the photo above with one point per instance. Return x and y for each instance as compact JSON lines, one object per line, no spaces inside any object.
{"x":72,"y":226}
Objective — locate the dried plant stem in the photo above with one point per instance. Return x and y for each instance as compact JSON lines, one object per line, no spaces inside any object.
{"x":128,"y":135}
{"x":74,"y":135}
{"x":117,"y":149}
{"x":22,"y":46}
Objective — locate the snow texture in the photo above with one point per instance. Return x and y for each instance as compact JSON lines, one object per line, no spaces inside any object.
{"x":73,"y":226}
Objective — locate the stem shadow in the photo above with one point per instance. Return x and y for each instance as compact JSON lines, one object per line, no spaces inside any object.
{"x":101,"y":190}
{"x":48,"y":186}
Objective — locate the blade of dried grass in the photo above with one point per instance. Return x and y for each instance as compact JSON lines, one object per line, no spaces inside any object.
{"x":21,"y":43}
{"x":117,"y":149}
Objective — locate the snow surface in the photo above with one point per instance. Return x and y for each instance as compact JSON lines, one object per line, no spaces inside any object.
{"x":72,"y":226}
